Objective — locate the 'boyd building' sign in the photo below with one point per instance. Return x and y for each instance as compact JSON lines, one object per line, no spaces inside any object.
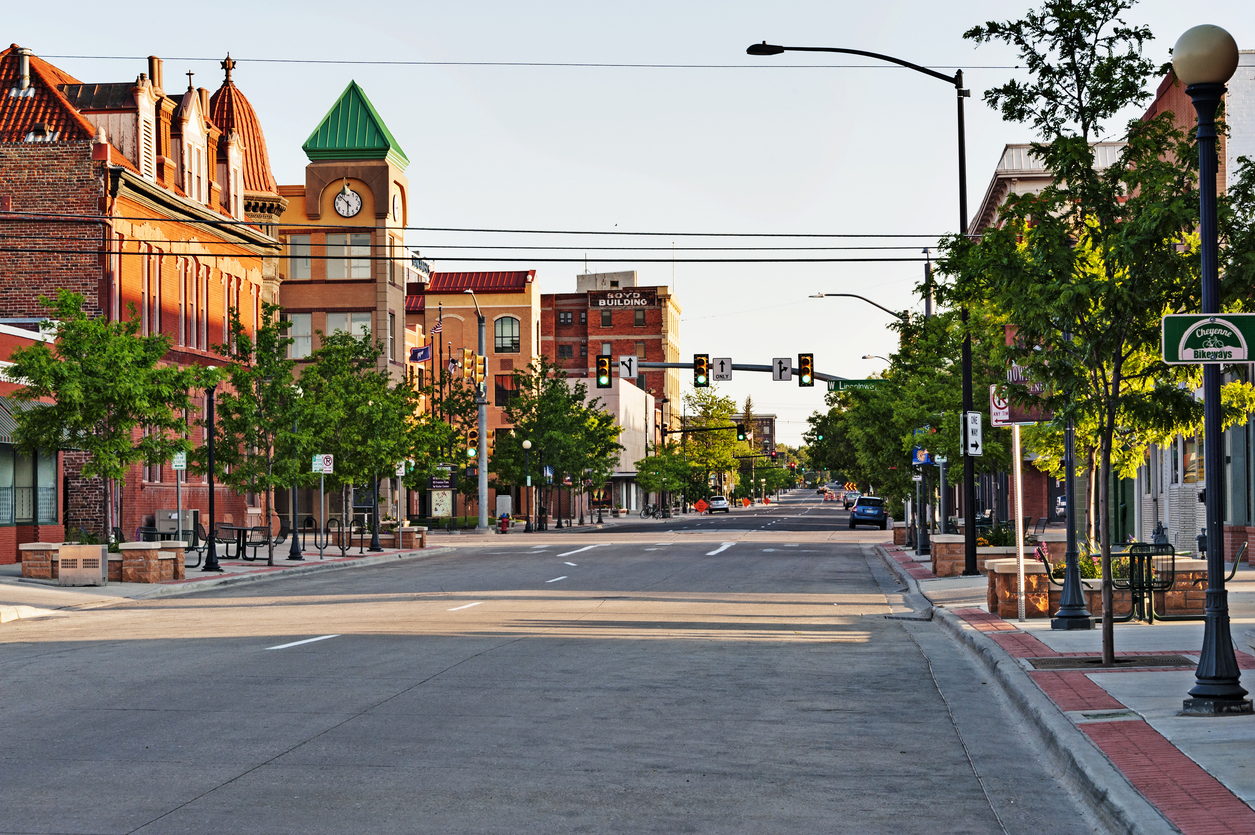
{"x":622,"y":298}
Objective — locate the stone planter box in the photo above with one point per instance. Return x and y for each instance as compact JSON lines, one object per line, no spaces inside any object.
{"x":1041,"y":599}
{"x":899,"y":535}
{"x":413,"y":537}
{"x":947,"y":551}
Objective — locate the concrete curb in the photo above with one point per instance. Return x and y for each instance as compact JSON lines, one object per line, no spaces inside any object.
{"x":1085,"y":769}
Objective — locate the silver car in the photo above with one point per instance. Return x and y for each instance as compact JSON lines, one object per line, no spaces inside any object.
{"x":719,"y":503}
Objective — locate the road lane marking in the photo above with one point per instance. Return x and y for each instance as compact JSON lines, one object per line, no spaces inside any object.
{"x":651,"y":549}
{"x":578,"y":550}
{"x":556,"y":579}
{"x":467,"y":606}
{"x":725,"y":546}
{"x":570,"y":564}
{"x":306,"y":641}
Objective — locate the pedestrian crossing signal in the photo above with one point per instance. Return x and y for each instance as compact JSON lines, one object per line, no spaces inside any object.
{"x":805,"y":370}
{"x":701,"y":370}
{"x":603,"y":371}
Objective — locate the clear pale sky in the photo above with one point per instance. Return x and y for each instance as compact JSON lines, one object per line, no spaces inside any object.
{"x":789,"y":144}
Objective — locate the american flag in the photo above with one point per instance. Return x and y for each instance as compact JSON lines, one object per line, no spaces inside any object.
{"x":436,"y":327}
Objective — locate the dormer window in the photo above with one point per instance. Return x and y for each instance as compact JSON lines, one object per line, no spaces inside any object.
{"x":41,"y":133}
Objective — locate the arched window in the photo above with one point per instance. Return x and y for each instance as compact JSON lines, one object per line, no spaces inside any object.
{"x":506,"y":335}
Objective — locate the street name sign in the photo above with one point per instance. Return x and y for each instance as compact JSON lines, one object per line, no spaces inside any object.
{"x":1193,"y":338}
{"x":179,"y":462}
{"x":972,"y":442}
{"x":721,"y":368}
{"x":851,"y":385}
{"x":627,"y":366}
{"x":782,"y":369}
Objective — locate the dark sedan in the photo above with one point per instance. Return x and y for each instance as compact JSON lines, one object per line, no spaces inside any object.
{"x":869,"y":510}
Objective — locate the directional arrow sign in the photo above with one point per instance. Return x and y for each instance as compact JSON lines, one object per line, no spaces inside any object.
{"x":627,"y":366}
{"x":782,"y":369}
{"x":722,"y":367}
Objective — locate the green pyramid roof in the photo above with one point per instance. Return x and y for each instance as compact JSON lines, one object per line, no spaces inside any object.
{"x":352,"y":129}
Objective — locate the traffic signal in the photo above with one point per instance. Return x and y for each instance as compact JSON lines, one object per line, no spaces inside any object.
{"x":701,"y":370}
{"x":773,"y":455}
{"x":603,"y":371}
{"x":806,"y":370}
{"x":740,"y":431}
{"x":468,"y":363}
{"x":479,"y":370}
{"x":472,"y":443}
{"x":492,"y":441}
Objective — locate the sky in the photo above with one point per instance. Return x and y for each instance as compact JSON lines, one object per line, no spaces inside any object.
{"x":794,"y":144}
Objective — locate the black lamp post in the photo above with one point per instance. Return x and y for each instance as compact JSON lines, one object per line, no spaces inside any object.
{"x":211,"y":556}
{"x":294,"y":552}
{"x":969,"y":469}
{"x":527,"y":465}
{"x":1204,"y":58}
{"x":1072,"y":613}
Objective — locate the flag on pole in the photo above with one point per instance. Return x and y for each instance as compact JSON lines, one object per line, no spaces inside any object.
{"x":422,"y":354}
{"x":436,"y":328}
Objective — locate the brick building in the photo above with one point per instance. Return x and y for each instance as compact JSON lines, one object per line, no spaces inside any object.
{"x":132,"y":196}
{"x":610,"y":314}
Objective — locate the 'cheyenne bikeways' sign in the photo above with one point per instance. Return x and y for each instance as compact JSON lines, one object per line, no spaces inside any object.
{"x":1192,"y":338}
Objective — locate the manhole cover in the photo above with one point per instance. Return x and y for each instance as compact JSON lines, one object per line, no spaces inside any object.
{"x":1092,"y":662}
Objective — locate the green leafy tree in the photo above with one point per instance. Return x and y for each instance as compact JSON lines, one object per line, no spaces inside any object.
{"x":113,"y":396}
{"x":1087,"y":268}
{"x":709,"y":452}
{"x":258,"y":444}
{"x":664,"y":471}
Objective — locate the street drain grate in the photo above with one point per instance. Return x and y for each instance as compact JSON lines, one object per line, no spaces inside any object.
{"x":908,"y":617}
{"x":1094,"y":662}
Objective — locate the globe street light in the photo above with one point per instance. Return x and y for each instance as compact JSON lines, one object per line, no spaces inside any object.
{"x":969,"y":469}
{"x":1204,"y":58}
{"x":211,"y":556}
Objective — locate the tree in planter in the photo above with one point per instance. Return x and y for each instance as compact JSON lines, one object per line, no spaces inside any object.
{"x":1087,"y":268}
{"x":113,"y":397}
{"x":355,"y":411}
{"x":262,"y":439}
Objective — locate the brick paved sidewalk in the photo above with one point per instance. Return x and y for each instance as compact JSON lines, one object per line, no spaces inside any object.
{"x":1194,"y":800}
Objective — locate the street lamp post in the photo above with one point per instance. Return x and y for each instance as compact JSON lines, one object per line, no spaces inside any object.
{"x":1204,"y":58}
{"x":294,"y":552}
{"x":481,"y":399}
{"x":969,"y":469}
{"x":211,"y":556}
{"x":527,"y":465}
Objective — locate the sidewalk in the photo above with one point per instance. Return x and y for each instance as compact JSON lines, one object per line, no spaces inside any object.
{"x":27,"y":598}
{"x":1198,"y":773}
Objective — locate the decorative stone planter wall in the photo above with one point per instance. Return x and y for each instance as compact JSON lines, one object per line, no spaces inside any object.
{"x":39,"y":560}
{"x":949,"y":556}
{"x":1041,"y":599}
{"x":141,"y":562}
{"x":899,"y":535}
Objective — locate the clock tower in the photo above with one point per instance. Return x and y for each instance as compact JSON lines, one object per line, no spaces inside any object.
{"x":346,"y":265}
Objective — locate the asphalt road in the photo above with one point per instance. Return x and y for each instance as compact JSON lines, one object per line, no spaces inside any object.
{"x":586,"y":686}
{"x":797,"y":510}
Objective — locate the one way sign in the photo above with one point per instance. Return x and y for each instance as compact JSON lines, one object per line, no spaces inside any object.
{"x":722,"y":368}
{"x":972,"y":442}
{"x":782,"y":369}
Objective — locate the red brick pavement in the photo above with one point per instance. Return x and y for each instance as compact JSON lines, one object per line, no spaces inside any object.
{"x":983,"y":621}
{"x":1073,"y":690}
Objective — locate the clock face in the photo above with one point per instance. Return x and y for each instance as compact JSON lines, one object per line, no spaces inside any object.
{"x":348,"y":203}
{"x":396,"y":207}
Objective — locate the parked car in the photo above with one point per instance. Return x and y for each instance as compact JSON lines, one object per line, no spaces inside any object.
{"x":851,"y":497}
{"x":869,"y":510}
{"x":719,"y":504}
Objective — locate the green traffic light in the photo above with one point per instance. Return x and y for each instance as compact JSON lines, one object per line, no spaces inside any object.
{"x":471,"y":452}
{"x":701,"y":379}
{"x":603,"y":380}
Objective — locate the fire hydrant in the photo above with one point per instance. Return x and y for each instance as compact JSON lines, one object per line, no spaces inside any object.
{"x":505,"y":523}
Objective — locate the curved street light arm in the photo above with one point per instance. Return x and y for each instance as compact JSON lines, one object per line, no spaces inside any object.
{"x":772,"y":49}
{"x":895,"y":313}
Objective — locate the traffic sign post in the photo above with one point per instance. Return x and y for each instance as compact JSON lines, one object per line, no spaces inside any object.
{"x":782,"y":369}
{"x":179,"y":464}
{"x":722,"y":368}
{"x":1196,"y":338}
{"x":973,"y":445}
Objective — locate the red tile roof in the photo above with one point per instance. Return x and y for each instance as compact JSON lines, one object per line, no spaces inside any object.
{"x":46,"y":105}
{"x":415,"y":304}
{"x":230,"y":110}
{"x":514,"y":281}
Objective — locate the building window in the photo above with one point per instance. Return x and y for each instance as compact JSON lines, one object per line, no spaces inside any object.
{"x":298,"y":257}
{"x":638,"y":319}
{"x":606,"y":319}
{"x":302,"y":333}
{"x":564,"y":317}
{"x":583,"y":317}
{"x":348,"y":256}
{"x":505,"y":387}
{"x":33,"y":497}
{"x":565,"y":352}
{"x":1191,"y":461}
{"x":392,"y":336}
{"x":640,"y":350}
{"x":358,"y":323}
{"x":606,"y":348}
{"x":505,"y":332}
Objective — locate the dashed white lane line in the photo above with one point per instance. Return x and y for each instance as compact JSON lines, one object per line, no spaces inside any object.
{"x":556,"y":579}
{"x":725,"y":546}
{"x":651,"y":549}
{"x":570,"y":564}
{"x":467,"y":606}
{"x":306,"y":641}
{"x":579,"y":550}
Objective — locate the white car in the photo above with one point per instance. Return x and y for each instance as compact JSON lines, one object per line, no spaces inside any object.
{"x":719,"y":503}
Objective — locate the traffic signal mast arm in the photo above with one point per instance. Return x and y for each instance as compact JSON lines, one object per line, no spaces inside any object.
{"x":736,"y":366}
